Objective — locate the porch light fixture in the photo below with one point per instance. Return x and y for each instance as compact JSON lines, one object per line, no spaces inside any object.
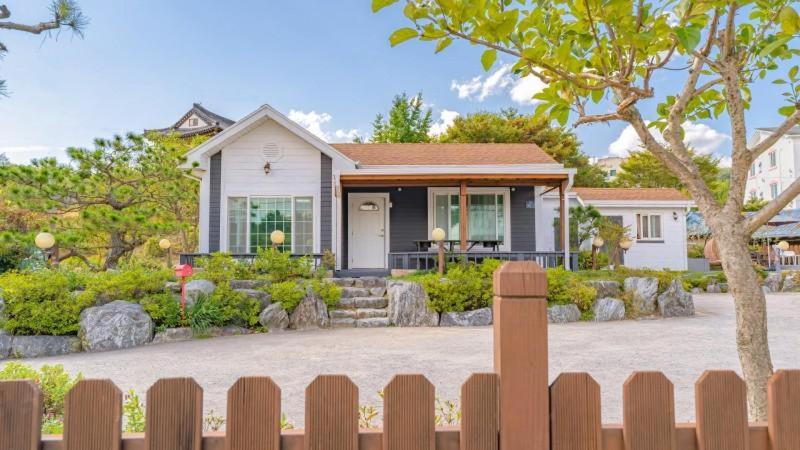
{"x":277,"y":237}
{"x":675,"y":216}
{"x":438,"y":235}
{"x":267,"y":168}
{"x":598,"y":241}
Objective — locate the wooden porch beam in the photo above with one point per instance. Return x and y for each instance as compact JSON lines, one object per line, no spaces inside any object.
{"x":463,"y":216}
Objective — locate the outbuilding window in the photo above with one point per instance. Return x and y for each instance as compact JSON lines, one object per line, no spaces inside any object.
{"x":648,"y":227}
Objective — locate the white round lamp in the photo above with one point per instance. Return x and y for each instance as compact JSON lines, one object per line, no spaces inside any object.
{"x":45,"y":240}
{"x":598,"y":242}
{"x":438,"y":234}
{"x":625,"y":243}
{"x":164,"y":244}
{"x":277,"y":237}
{"x":783,"y":245}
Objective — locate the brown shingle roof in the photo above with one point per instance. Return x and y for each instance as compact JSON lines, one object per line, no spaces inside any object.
{"x":629,"y":194}
{"x":444,"y":154}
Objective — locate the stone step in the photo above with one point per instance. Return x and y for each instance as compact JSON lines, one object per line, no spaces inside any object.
{"x":342,"y":313}
{"x":362,"y":282}
{"x":350,"y":292}
{"x":363,"y":302}
{"x":372,"y":322}
{"x":343,"y":322}
{"x":370,"y":313}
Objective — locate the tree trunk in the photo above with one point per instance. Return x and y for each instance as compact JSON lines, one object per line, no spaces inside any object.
{"x":116,"y":250}
{"x":751,"y":313}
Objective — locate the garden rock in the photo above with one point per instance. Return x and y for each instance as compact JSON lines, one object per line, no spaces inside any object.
{"x":789,"y":284}
{"x":248,"y":284}
{"x":605,"y":288}
{"x":476,"y":318}
{"x":723,"y":287}
{"x":311,"y":313}
{"x":773,"y":282}
{"x":696,"y":290}
{"x":713,"y":288}
{"x":643,"y":291}
{"x":264,"y":298}
{"x":675,"y":302}
{"x":608,"y":308}
{"x":173,"y":335}
{"x":5,"y":344}
{"x":36,"y":346}
{"x":408,"y":306}
{"x":563,"y":313}
{"x":274,"y":318}
{"x":196,"y":288}
{"x":173,"y":286}
{"x":115,"y":326}
{"x":228,"y":330}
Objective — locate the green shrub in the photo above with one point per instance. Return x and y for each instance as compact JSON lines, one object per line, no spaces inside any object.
{"x":288,"y":293}
{"x":330,"y":293}
{"x":204,"y":314}
{"x":54,"y":382}
{"x":130,"y":282}
{"x":134,"y":413}
{"x":164,"y":309}
{"x":585,"y":260}
{"x":237,"y":308}
{"x":41,"y":302}
{"x":462,"y":289}
{"x":221,"y":268}
{"x":279,"y":266}
{"x":565,"y":287}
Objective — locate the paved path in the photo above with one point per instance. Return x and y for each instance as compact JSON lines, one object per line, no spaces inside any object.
{"x":681,"y":348}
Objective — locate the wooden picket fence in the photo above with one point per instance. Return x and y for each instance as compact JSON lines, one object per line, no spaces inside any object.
{"x":511,"y":409}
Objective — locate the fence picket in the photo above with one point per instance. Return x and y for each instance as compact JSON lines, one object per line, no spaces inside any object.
{"x":20,"y":415}
{"x":331,"y":414}
{"x":93,"y":416}
{"x":409,"y":421}
{"x":783,"y":392}
{"x":648,"y":403}
{"x":480,"y":412}
{"x":174,"y":415}
{"x":721,"y":411}
{"x":254,"y":415}
{"x":575,"y":413}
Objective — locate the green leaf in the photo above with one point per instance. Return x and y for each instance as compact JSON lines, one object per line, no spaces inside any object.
{"x":488,"y":58}
{"x":793,"y":73}
{"x":787,"y":110}
{"x":769,"y":48}
{"x":402,"y":35}
{"x":443,"y":44}
{"x":790,"y":21}
{"x":378,"y":5}
{"x":688,"y":37}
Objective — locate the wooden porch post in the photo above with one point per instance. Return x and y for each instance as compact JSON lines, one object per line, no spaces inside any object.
{"x":562,"y":216}
{"x":462,"y":221}
{"x":520,"y":355}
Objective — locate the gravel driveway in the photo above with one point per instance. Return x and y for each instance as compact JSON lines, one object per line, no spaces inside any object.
{"x":681,"y":348}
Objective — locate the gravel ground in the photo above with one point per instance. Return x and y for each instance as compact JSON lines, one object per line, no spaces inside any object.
{"x":682,"y":348}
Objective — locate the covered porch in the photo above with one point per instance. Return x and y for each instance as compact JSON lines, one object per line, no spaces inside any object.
{"x":386,"y":219}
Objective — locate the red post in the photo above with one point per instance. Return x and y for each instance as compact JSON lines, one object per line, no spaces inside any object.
{"x":183,"y":271}
{"x":520,"y":355}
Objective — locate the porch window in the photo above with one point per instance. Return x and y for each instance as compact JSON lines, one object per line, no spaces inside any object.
{"x":649,"y":227}
{"x":486,"y":216}
{"x":251,"y":221}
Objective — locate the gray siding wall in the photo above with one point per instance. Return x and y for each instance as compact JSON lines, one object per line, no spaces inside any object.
{"x":215,"y":202}
{"x":523,"y":224}
{"x":326,"y":181}
{"x":408,"y":218}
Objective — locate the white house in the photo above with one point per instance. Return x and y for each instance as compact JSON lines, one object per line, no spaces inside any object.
{"x":775,"y":169}
{"x":655,"y":219}
{"x":375,"y":205}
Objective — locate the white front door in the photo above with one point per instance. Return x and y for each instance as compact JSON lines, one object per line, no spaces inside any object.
{"x":367,"y":230}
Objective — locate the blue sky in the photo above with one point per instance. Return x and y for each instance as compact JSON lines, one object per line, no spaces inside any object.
{"x":326,"y":63}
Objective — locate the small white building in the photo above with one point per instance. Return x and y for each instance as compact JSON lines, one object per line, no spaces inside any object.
{"x":656,"y":220}
{"x":775,"y":169}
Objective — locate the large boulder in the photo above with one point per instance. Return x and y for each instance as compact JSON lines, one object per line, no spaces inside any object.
{"x":264,"y":298}
{"x":408,"y":306}
{"x":5,"y":344}
{"x":643,"y":291}
{"x":563,"y":313}
{"x":773,"y":282}
{"x":605,"y":288}
{"x":274,"y":318}
{"x":475,"y":318}
{"x":196,"y":288}
{"x":115,"y":326}
{"x":675,"y":302}
{"x":608,"y":308}
{"x":173,"y":335}
{"x":37,"y":346}
{"x":309,"y":314}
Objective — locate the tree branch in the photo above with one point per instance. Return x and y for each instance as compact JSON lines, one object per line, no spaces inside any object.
{"x":594,"y":118}
{"x":770,"y":209}
{"x":787,"y":125}
{"x":33,"y":29}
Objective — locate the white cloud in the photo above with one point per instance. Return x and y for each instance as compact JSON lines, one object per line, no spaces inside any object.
{"x":23,"y":154}
{"x":702,"y":138}
{"x":311,"y":121}
{"x":446,"y":118}
{"x":521,"y":90}
{"x":346,"y":135}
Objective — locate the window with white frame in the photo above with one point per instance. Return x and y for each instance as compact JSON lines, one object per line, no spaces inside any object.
{"x":251,"y":220}
{"x":649,"y":227}
{"x":753,"y":170}
{"x":486,"y":215}
{"x":773,"y":190}
{"x":773,"y":159}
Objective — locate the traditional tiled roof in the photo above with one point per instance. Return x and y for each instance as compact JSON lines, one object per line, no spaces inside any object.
{"x":663,"y":194}
{"x":444,"y":154}
{"x":214,"y":123}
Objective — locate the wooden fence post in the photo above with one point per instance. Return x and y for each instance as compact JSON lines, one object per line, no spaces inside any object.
{"x":20,"y":415}
{"x":520,"y":355}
